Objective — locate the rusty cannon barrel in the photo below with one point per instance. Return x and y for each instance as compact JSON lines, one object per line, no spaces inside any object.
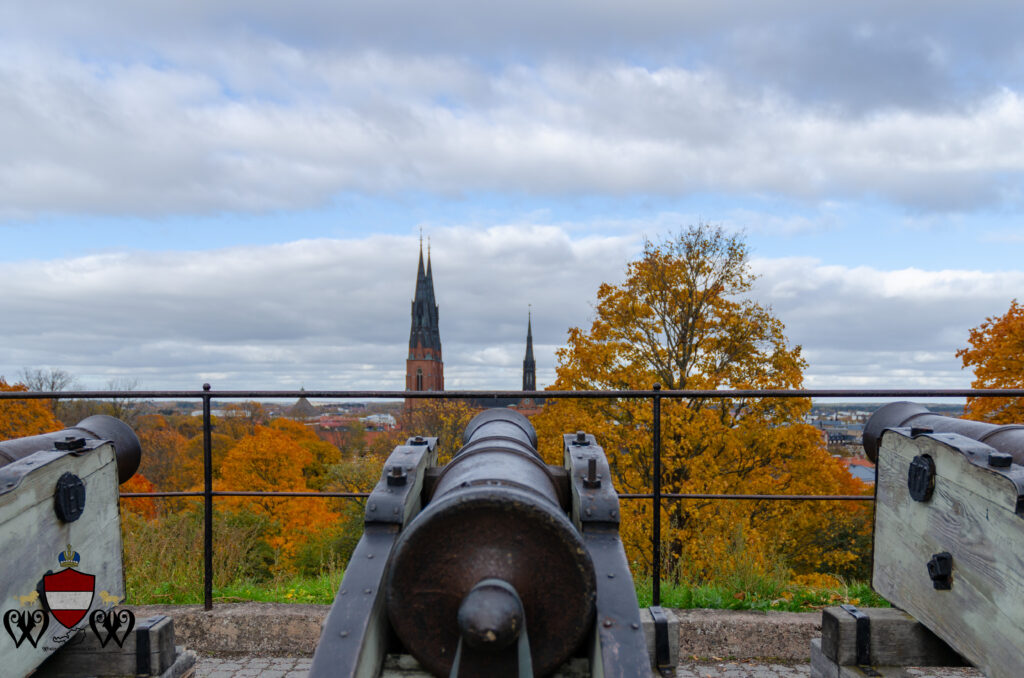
{"x":97,"y":427}
{"x":1008,"y":439}
{"x":491,"y":577}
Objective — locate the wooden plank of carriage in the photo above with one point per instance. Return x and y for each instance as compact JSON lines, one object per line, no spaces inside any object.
{"x":147,"y":649}
{"x":971,"y":515}
{"x":33,"y":536}
{"x":896,"y":640}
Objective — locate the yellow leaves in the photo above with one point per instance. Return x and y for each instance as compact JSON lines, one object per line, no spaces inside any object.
{"x":271,"y":459}
{"x":996,"y":354}
{"x":677,"y":320}
{"x":815,"y":580}
{"x":20,"y":418}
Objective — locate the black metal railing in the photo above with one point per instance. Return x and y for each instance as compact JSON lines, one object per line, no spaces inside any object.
{"x":655,"y":395}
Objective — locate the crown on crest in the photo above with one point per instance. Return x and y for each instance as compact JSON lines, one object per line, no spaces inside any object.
{"x":68,"y":557}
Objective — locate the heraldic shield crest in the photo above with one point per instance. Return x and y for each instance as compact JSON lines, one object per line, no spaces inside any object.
{"x":69,"y":593}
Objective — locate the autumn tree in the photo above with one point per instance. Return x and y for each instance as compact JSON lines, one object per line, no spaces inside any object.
{"x":20,"y":418}
{"x":271,"y":460}
{"x":444,"y":419}
{"x":996,"y":354}
{"x":322,"y":453}
{"x":682,"y":318}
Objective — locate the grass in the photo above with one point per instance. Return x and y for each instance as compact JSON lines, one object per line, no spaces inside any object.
{"x":767,"y":595}
{"x":318,"y":590}
{"x":321,"y":590}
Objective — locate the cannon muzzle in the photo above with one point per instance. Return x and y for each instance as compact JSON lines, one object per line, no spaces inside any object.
{"x":97,"y":427}
{"x":492,"y":551}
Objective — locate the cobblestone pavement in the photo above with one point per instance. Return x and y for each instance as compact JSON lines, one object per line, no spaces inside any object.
{"x":754,"y":670}
{"x":253,"y":667}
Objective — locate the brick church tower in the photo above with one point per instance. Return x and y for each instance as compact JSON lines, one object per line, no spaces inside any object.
{"x":424,"y":370}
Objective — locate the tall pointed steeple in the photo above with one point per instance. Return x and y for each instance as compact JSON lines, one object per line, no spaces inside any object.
{"x":424,"y":367}
{"x":424,"y":332}
{"x":529,"y":364}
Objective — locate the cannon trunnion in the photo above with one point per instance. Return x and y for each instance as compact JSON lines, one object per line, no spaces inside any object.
{"x":949,"y":529}
{"x":494,"y":565}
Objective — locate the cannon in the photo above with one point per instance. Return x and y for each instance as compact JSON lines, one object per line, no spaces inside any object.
{"x":949,"y":529}
{"x":60,"y":548}
{"x":495,"y":564}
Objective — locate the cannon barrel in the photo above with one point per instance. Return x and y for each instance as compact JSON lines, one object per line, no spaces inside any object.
{"x":1005,"y":438}
{"x":97,"y":427}
{"x":492,"y":558}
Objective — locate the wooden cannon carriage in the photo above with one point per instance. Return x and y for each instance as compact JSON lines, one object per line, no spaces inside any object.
{"x":948,"y":550}
{"x":494,"y":565}
{"x":61,"y":568}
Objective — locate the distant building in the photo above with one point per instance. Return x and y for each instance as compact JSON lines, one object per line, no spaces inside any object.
{"x":303,"y":409}
{"x":424,"y":368}
{"x":529,"y":364}
{"x":861,"y":469}
{"x":378,"y":422}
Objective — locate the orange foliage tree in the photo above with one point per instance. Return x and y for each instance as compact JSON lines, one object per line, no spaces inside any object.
{"x":444,"y":419}
{"x":996,"y":354}
{"x":324,"y":455}
{"x":271,"y":460}
{"x":20,"y":418}
{"x":681,"y":319}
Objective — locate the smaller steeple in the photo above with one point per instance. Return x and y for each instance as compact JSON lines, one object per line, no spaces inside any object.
{"x":529,"y":364}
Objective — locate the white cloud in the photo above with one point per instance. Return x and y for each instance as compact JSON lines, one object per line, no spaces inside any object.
{"x":140,"y":139}
{"x":334,"y":313}
{"x":324,"y":313}
{"x":864,"y":327}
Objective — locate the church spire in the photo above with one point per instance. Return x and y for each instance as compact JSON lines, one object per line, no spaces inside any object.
{"x":424,"y":366}
{"x":424,"y":332}
{"x":529,"y":364}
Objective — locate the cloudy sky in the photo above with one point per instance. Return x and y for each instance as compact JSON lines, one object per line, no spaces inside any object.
{"x":233,"y":192}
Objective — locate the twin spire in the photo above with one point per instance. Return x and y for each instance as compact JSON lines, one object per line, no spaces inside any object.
{"x":425,"y":333}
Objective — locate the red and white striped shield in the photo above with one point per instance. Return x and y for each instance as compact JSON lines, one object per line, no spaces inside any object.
{"x":69,"y":595}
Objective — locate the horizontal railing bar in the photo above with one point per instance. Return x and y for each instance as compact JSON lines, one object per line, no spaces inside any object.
{"x":620,"y":393}
{"x":772,"y":497}
{"x":240,"y":493}
{"x":362,"y":495}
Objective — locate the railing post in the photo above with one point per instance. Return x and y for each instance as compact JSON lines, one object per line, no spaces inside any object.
{"x":207,"y":503}
{"x":656,"y":537}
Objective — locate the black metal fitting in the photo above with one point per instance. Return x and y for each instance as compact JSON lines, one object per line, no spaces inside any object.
{"x":940,"y":569}
{"x":581,"y":439}
{"x":921,"y":477}
{"x":69,"y":443}
{"x":863,"y":640}
{"x":418,"y":440}
{"x":662,"y":649}
{"x":920,"y":430}
{"x":69,"y":497}
{"x":998,"y":459}
{"x":592,"y":480}
{"x":397,"y":476}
